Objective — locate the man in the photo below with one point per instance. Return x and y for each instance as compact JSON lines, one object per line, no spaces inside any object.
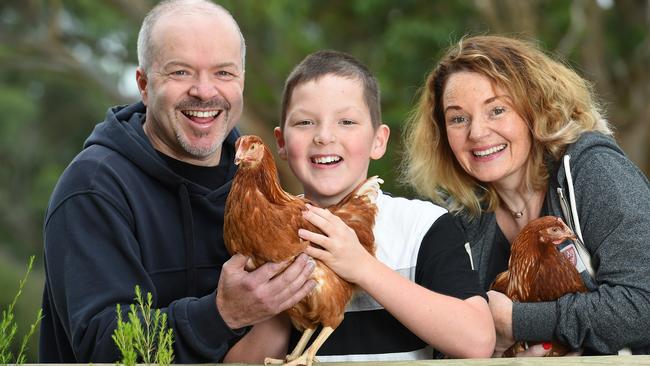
{"x":143,"y":204}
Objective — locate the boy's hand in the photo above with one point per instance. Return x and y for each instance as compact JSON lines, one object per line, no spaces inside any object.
{"x":341,"y":250}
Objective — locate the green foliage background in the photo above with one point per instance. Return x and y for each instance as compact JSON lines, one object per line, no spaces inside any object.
{"x":64,"y":62}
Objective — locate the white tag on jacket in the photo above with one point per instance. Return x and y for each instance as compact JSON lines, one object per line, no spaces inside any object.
{"x":571,"y":253}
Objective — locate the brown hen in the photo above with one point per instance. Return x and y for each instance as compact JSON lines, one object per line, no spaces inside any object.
{"x":537,"y":271}
{"x":262,"y":222}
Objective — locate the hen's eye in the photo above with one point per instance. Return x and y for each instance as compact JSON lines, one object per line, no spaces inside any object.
{"x":555,"y":230}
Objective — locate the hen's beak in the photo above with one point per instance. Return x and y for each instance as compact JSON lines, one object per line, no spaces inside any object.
{"x":237,"y":159}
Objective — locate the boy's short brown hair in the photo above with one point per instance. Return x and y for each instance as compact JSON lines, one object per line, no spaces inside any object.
{"x":330,"y":62}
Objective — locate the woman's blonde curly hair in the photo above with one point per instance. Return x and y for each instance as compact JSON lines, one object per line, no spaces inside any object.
{"x":557,"y":104}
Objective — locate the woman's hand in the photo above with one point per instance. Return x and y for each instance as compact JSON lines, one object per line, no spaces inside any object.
{"x":340,"y":247}
{"x":501,"y":309}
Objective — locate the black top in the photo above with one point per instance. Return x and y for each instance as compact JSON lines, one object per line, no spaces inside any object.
{"x":443,"y":266}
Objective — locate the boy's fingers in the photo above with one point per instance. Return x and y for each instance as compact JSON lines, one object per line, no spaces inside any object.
{"x":313,"y":237}
{"x":320,"y":222}
{"x":316,"y":253}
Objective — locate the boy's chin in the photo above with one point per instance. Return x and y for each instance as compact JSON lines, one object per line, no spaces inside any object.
{"x":326,"y":197}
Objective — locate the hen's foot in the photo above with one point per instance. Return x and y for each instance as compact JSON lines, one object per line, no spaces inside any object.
{"x":273,"y":361}
{"x":303,"y":360}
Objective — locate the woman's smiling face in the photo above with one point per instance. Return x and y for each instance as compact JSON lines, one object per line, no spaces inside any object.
{"x":490,"y":140}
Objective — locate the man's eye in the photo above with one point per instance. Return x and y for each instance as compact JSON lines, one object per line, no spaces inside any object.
{"x":225,"y":74}
{"x":180,"y":73}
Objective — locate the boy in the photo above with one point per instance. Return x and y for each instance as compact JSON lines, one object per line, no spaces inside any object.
{"x":419,"y":292}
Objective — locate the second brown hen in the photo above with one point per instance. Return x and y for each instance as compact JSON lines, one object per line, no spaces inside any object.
{"x":537,"y":271}
{"x":262,"y":222}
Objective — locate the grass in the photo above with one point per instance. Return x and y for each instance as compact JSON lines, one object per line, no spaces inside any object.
{"x":145,"y":336}
{"x":8,"y":327}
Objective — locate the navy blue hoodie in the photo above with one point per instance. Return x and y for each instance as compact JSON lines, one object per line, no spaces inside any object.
{"x":120,"y":217}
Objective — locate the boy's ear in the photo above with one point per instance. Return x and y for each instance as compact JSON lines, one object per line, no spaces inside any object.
{"x":380,"y":143}
{"x":279,"y":142}
{"x":141,"y":80}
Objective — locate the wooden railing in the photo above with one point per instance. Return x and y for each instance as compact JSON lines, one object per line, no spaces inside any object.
{"x":528,"y":361}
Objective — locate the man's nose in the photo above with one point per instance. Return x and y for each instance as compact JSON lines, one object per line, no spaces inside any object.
{"x":204,"y":88}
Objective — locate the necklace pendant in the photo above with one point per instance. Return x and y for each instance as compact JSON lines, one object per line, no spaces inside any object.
{"x":517,"y":215}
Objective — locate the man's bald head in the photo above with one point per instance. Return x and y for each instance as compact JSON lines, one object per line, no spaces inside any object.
{"x":146,"y":46}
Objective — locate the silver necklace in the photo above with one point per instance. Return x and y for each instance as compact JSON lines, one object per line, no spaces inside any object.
{"x":518,"y":214}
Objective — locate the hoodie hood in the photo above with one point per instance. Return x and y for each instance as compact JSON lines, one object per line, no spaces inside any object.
{"x":588,"y":143}
{"x":122,"y":131}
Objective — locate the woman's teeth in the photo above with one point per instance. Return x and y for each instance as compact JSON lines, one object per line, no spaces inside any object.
{"x":489,"y":151}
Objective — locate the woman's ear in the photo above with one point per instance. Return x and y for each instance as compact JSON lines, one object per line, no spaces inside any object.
{"x":380,"y":143}
{"x":279,"y":143}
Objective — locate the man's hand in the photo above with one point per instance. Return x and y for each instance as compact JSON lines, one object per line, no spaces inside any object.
{"x":246,"y":298}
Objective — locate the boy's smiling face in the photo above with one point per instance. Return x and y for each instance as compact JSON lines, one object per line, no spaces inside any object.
{"x":328,"y":138}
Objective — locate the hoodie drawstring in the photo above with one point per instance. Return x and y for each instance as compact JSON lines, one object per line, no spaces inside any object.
{"x":188,"y":234}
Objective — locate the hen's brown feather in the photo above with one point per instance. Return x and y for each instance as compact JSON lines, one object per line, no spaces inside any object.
{"x":537,"y":271}
{"x":262,"y":222}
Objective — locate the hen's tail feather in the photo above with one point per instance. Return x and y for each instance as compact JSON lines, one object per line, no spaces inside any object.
{"x":370,"y":188}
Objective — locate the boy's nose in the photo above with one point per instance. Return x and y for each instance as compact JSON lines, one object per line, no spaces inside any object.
{"x":324,"y":138}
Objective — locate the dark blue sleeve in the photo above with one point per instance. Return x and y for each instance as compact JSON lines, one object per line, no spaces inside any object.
{"x":93,"y":262}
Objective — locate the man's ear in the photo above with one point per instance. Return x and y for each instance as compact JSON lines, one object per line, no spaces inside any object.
{"x":141,"y":80}
{"x":380,"y":143}
{"x":279,"y":142}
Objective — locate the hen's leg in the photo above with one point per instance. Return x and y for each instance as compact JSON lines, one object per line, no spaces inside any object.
{"x":309,"y":356}
{"x":297,"y":351}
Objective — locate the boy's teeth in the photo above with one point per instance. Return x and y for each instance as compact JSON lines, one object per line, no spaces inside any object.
{"x":489,"y":151}
{"x":326,"y":159}
{"x":201,"y":114}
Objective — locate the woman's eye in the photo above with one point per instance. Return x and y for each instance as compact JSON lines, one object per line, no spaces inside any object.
{"x":456,"y":120}
{"x":498,"y":110}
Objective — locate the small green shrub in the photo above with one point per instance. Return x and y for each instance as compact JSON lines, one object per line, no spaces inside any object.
{"x":8,"y":327}
{"x":145,"y":337}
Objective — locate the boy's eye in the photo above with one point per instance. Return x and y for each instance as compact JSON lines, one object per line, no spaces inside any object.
{"x":305,"y":122}
{"x":347,"y":122}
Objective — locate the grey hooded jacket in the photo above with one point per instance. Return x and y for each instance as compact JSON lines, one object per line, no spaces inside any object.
{"x":613,"y":204}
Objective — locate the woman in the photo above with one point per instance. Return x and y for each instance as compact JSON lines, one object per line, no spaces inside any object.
{"x":491,"y":139}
